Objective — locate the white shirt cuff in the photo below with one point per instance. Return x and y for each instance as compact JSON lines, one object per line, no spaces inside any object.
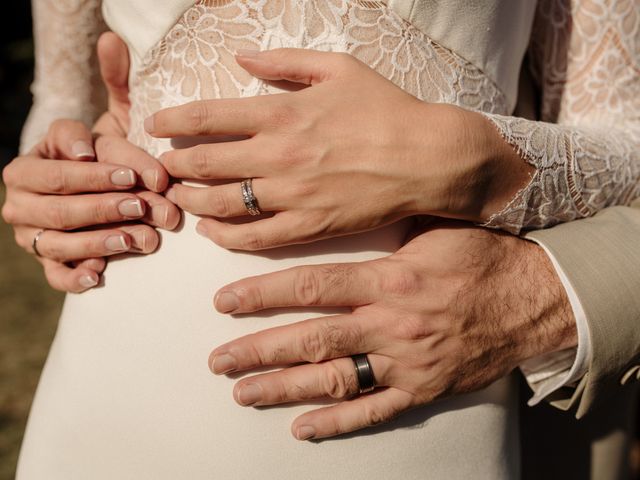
{"x":547,"y":373}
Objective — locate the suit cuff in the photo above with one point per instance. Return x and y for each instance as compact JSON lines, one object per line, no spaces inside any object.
{"x":550,"y":372}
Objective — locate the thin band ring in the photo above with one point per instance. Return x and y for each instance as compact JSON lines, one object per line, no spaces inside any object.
{"x":34,"y":244}
{"x":250,"y":200}
{"x":364,"y":372}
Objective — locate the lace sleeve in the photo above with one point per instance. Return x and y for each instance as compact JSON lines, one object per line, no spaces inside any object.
{"x":586,"y":150}
{"x":67,"y":79}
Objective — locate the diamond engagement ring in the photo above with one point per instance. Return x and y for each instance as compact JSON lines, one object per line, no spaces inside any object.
{"x":250,"y":201}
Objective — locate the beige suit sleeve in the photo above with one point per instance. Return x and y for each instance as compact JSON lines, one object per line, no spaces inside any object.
{"x":67,"y":79}
{"x":601,"y":258}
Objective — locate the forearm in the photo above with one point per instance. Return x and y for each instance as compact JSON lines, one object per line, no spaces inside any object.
{"x":67,"y":80}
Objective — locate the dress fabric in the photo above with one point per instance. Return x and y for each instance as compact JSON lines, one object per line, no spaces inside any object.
{"x":126,"y":391}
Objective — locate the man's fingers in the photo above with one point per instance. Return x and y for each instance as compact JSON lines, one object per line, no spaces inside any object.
{"x":368,"y":410}
{"x":311,"y":340}
{"x":119,"y":151}
{"x":334,"y":379}
{"x":64,"y":177}
{"x":67,"y":140}
{"x":330,"y":285}
{"x":237,"y":116}
{"x":66,"y":279}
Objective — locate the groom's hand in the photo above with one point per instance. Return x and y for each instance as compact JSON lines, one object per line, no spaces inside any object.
{"x":454,"y":310}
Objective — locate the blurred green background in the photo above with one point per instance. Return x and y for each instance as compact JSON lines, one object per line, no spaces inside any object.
{"x":29,"y":309}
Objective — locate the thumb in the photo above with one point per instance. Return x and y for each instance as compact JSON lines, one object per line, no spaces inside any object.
{"x":298,"y":65}
{"x":113,"y":56}
{"x":67,"y":140}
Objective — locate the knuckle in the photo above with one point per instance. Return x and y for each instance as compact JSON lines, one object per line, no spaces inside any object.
{"x":280,"y":115}
{"x":60,"y":215}
{"x":200,"y":162}
{"x":198,"y":117}
{"x":413,"y":327}
{"x":252,"y":241}
{"x":19,"y":239}
{"x":335,"y":383}
{"x":401,"y":282}
{"x":306,"y":288}
{"x":56,"y":180}
{"x":9,"y":214}
{"x":103,"y":212}
{"x":312,"y":346}
{"x":8,"y":174}
{"x":375,"y":415}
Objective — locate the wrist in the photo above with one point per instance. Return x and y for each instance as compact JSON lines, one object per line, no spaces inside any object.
{"x":550,"y":322}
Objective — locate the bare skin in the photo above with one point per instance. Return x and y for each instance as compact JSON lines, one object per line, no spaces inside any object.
{"x":452,"y":311}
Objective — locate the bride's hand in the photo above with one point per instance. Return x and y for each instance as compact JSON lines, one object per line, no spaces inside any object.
{"x":58,"y":187}
{"x":350,"y":153}
{"x":449,"y":313}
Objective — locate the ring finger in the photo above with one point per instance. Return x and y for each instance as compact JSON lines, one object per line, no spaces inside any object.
{"x":69,"y":246}
{"x":334,"y":378}
{"x":224,"y":201}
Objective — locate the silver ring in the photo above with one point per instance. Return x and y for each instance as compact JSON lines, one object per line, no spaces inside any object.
{"x":250,"y":200}
{"x":364,"y":373}
{"x":34,"y":244}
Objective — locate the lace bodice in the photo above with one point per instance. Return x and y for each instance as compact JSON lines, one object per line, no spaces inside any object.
{"x":584,"y":54}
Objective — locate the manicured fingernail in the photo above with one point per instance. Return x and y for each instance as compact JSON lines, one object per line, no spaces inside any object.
{"x":149,"y":124}
{"x":171,"y":195}
{"x":150,"y":179}
{"x":245,"y":52}
{"x":116,"y":243}
{"x":224,"y":363}
{"x":305,"y":432}
{"x":226,"y":302}
{"x":249,"y":394}
{"x":201,"y":230}
{"x":131,"y":208}
{"x":123,"y":177}
{"x":82,"y":149}
{"x":87,"y":281}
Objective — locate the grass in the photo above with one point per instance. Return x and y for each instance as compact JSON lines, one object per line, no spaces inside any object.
{"x":29,"y":311}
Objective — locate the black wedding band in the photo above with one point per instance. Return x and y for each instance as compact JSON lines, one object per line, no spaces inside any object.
{"x":34,"y":244}
{"x":250,"y":200}
{"x":364,"y":372}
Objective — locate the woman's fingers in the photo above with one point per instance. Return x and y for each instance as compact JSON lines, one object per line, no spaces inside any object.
{"x":70,"y":246}
{"x":74,"y":211}
{"x":334,"y":378}
{"x":330,"y":285}
{"x":224,"y":160}
{"x":161,"y":212}
{"x":228,"y":116}
{"x":378,"y":407}
{"x":67,"y":279}
{"x":119,"y":151}
{"x":64,"y":177}
{"x":311,"y":340}
{"x":223,"y":201}
{"x":277,"y":231}
{"x":67,"y":140}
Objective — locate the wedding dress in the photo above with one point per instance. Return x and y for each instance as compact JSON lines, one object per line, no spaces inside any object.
{"x":126,"y":391}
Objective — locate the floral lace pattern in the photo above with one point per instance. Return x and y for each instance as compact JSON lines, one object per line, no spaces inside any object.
{"x":196,"y":58}
{"x":586,"y":57}
{"x":67,"y":80}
